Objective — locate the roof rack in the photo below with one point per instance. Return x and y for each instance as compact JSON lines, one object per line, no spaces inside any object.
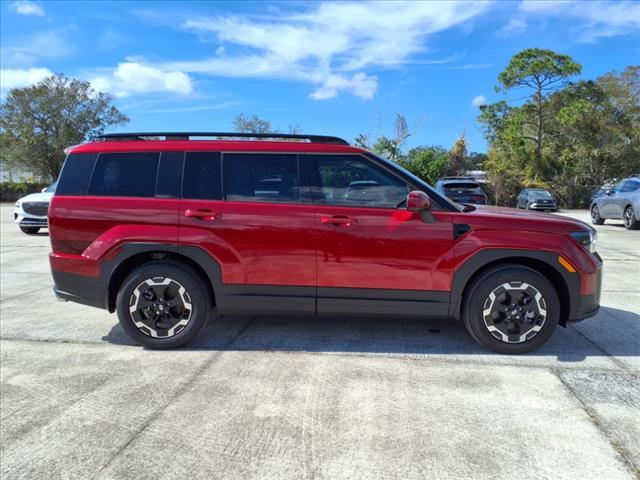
{"x":220,"y":135}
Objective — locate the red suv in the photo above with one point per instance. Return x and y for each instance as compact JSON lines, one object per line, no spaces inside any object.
{"x":165,"y":227}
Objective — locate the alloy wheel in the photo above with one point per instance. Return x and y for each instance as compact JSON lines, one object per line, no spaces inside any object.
{"x":514,"y":312}
{"x":160,"y":307}
{"x":628,"y":217}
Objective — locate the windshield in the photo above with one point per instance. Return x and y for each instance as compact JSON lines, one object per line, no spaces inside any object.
{"x":541,"y":193}
{"x":422,"y":184}
{"x":51,"y":188}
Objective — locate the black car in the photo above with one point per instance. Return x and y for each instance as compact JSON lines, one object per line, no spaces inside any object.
{"x":537,"y":199}
{"x":462,"y":190}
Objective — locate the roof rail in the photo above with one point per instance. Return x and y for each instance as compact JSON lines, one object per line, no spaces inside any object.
{"x":220,"y":135}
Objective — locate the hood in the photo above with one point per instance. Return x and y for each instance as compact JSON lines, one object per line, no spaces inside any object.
{"x":510,"y":218}
{"x":37,"y":197}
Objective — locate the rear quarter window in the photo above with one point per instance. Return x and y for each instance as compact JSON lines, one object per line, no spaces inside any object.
{"x":76,"y":173}
{"x":130,"y":174}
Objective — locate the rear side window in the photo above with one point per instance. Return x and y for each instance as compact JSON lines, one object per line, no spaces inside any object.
{"x":76,"y":172}
{"x":125,"y":175}
{"x":257,"y":177}
{"x":202,"y":178}
{"x":630,"y":186}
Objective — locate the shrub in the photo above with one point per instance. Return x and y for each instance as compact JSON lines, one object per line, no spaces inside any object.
{"x":12,"y":191}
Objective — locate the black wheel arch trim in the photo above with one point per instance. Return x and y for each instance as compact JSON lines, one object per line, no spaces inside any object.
{"x":488,"y":257}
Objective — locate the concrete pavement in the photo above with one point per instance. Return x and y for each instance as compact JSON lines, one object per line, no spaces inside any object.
{"x":276,"y":397}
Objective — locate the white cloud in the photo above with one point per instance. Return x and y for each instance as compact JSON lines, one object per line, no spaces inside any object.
{"x":331,"y":45}
{"x":25,"y":7}
{"x":13,"y":78}
{"x":513,"y":27}
{"x":220,"y":51}
{"x":135,"y":78}
{"x":28,"y":50}
{"x":601,"y":18}
{"x":479,"y":100}
{"x":360,"y":85}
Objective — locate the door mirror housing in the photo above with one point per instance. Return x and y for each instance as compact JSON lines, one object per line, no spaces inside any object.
{"x":417,"y":201}
{"x":609,"y":191}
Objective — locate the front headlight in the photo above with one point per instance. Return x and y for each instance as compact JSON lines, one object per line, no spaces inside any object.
{"x":587,"y":239}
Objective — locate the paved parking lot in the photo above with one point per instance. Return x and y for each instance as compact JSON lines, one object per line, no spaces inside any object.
{"x":304,"y":398}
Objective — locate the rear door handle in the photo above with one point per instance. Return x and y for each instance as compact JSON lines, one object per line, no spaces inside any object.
{"x":340,"y":220}
{"x":202,"y":213}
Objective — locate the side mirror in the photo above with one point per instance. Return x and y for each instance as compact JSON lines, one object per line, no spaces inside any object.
{"x":418,"y":201}
{"x":44,"y":189}
{"x":609,"y":191}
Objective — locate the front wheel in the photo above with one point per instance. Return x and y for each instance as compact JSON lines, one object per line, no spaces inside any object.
{"x":630,"y":222}
{"x":163,"y":305}
{"x":30,"y":230}
{"x":511,"y":309}
{"x":596,"y":219}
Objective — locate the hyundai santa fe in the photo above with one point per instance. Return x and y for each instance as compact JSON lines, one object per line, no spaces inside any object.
{"x":164,"y":231}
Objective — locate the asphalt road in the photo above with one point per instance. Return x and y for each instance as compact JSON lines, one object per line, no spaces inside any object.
{"x":305,"y":398}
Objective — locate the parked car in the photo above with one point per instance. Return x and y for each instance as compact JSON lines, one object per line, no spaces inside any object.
{"x":461,"y":190}
{"x":164,"y":231}
{"x":622,"y":202}
{"x":30,"y":212}
{"x":536,"y":199}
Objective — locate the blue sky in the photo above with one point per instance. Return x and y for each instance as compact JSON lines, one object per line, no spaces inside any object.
{"x":332,"y":68}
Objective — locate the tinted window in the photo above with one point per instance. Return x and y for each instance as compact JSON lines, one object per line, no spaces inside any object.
{"x":261,"y":177}
{"x":76,"y":172}
{"x":462,"y":187}
{"x":630,"y":186}
{"x":125,"y":175}
{"x":169,"y":175}
{"x":352,"y":180}
{"x":202,"y":176}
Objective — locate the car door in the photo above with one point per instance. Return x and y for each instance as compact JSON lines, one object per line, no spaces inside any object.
{"x":611,"y":204}
{"x":522,"y":199}
{"x":373,"y":255}
{"x":255,"y":225}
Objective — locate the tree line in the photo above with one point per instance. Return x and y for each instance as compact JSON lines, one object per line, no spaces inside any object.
{"x":569,"y":137}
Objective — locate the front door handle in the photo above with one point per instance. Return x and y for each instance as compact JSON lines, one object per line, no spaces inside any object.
{"x":340,"y":220}
{"x":201,"y":213}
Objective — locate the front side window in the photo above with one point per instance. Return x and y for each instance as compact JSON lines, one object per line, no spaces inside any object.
{"x":350,"y":180}
{"x":630,"y":186}
{"x":260,"y":177}
{"x":125,"y":174}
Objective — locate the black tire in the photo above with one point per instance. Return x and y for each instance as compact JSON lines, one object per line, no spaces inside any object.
{"x":629,"y":218}
{"x":478,"y":295}
{"x":30,"y":230}
{"x":180,"y":275}
{"x":596,"y":219}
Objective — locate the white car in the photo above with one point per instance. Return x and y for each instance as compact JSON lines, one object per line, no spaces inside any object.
{"x":30,"y":213}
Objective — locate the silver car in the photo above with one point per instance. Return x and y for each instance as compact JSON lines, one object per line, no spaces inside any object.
{"x":622,"y":202}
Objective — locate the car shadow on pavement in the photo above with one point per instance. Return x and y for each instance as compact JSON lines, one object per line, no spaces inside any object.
{"x":612,"y":332}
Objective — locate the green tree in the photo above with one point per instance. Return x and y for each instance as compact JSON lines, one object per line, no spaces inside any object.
{"x":458,"y":156}
{"x":244,"y":124}
{"x":427,"y":162}
{"x":40,"y":121}
{"x":542,"y":71}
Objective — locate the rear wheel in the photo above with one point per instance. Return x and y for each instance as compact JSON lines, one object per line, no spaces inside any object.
{"x":630,"y":222}
{"x":30,"y":230}
{"x":163,"y":305}
{"x":511,"y":309}
{"x":596,"y":219}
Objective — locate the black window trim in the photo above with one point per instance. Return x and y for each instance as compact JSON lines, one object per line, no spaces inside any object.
{"x":155,"y":186}
{"x":302,"y":178}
